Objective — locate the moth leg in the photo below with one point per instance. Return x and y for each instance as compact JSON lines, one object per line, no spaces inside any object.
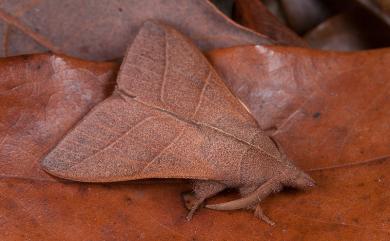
{"x":245,"y":190}
{"x":258,"y":212}
{"x":202,"y":191}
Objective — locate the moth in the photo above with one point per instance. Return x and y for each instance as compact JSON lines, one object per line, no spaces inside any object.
{"x":171,"y":116}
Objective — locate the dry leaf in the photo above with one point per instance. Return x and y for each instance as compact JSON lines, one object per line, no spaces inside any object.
{"x":331,"y":112}
{"x":350,"y":203}
{"x":381,"y":8}
{"x":225,"y":6}
{"x":275,"y":8}
{"x":328,"y":108}
{"x":101,"y":30}
{"x":254,"y":15}
{"x":41,"y":97}
{"x":338,"y":33}
{"x":302,"y":15}
{"x":350,"y":31}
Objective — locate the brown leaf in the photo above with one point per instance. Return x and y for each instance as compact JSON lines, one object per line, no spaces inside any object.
{"x":275,"y":8}
{"x":302,"y":15}
{"x":331,"y":112}
{"x":225,"y":6}
{"x":41,"y":97}
{"x":100,"y":30}
{"x":353,"y":30}
{"x":254,"y":15}
{"x":328,"y":108}
{"x":380,"y":8}
{"x":350,"y":203}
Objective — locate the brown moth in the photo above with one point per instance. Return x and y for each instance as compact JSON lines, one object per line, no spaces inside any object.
{"x":171,"y":116}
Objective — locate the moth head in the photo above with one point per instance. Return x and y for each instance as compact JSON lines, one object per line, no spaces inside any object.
{"x":292,"y":176}
{"x":297,"y":178}
{"x":303,"y":181}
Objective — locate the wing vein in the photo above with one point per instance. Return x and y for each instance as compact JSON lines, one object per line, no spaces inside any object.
{"x":70,"y":141}
{"x":108,"y":129}
{"x":142,"y":69}
{"x":201,"y":95}
{"x":121,"y":137}
{"x":191,"y":122}
{"x":163,"y":150}
{"x":164,"y":80}
{"x":242,"y":157}
{"x":82,"y":132}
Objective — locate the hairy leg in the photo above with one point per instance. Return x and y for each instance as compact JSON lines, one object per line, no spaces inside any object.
{"x":202,"y":191}
{"x":258,"y":211}
{"x":247,"y":189}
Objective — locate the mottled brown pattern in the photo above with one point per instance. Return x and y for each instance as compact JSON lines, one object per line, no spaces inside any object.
{"x":171,"y":116}
{"x":101,"y":29}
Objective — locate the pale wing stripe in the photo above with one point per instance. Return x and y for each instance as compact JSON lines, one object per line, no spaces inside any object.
{"x":234,"y":137}
{"x":141,"y":69}
{"x":162,"y":91}
{"x":70,"y":141}
{"x":163,"y":150}
{"x":87,"y":135}
{"x":201,"y":95}
{"x":120,"y":138}
{"x":102,"y":126}
{"x":143,"y":56}
{"x":191,"y":122}
{"x":242,"y":157}
{"x":70,"y":150}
